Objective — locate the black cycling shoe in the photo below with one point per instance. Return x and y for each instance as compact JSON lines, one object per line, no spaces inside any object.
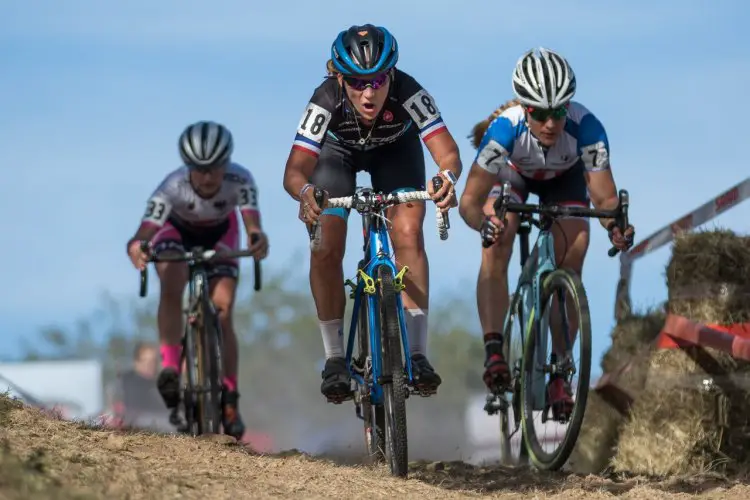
{"x":168,"y":384}
{"x":336,"y":386}
{"x":231,"y":419}
{"x":426,"y":379}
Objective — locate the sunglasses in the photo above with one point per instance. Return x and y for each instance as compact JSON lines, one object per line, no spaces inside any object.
{"x":361,"y":84}
{"x":542,"y":115}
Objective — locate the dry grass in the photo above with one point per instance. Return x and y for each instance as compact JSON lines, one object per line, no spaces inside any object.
{"x":46,"y":458}
{"x":694,"y":414}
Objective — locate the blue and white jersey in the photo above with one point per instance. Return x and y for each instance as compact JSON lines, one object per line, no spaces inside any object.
{"x":509,"y":141}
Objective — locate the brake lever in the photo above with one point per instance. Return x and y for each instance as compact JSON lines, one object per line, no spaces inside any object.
{"x":621,"y":220}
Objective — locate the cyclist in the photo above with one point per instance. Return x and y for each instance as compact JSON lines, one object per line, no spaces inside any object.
{"x":544,"y":143}
{"x":367,"y":115}
{"x":197,"y":205}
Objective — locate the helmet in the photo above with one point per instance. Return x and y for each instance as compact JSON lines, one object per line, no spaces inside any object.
{"x":364,"y":50}
{"x":205,"y":144}
{"x":544,"y":80}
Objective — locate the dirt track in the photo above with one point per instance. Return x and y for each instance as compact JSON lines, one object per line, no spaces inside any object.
{"x":43,"y":457}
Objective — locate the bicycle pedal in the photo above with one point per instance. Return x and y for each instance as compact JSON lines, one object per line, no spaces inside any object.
{"x":337,"y":400}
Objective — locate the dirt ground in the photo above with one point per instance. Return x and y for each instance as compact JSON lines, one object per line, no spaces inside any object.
{"x":42,"y":457}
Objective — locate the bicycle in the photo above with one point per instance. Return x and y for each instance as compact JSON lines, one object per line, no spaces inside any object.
{"x":382,"y":376}
{"x":202,"y":342}
{"x":526,"y":356}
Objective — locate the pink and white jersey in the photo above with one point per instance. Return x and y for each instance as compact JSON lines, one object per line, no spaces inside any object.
{"x":176,"y":198}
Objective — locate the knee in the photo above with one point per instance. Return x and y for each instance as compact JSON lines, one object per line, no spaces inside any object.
{"x":575,"y":243}
{"x":173,"y":278}
{"x":407,"y":236}
{"x":495,"y":259}
{"x":333,"y":243}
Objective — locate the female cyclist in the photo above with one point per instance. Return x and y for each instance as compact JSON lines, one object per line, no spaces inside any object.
{"x":367,"y":115}
{"x":543,"y":143}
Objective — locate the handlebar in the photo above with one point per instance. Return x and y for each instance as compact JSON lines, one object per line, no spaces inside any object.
{"x":366,"y":201}
{"x":200,"y":255}
{"x":503,"y":205}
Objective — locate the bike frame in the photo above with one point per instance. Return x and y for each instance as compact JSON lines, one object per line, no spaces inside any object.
{"x":377,"y":251}
{"x":538,"y":263}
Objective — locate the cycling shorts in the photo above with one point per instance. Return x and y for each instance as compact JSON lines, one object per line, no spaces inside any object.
{"x":398,"y":166}
{"x":569,"y":188}
{"x":176,"y":235}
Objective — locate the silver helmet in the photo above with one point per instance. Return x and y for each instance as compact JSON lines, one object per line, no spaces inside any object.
{"x":544,"y":80}
{"x":205,"y":144}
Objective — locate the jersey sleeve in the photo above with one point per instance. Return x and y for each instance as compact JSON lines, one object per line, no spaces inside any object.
{"x":248,"y":195}
{"x":158,"y":206}
{"x":593,"y":145}
{"x":497,"y":144}
{"x":421,"y":107}
{"x":315,"y":121}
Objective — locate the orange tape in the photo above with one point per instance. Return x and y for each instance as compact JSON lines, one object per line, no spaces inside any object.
{"x":679,"y":331}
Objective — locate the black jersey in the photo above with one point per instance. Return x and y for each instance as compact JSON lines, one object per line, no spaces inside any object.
{"x":409,"y":110}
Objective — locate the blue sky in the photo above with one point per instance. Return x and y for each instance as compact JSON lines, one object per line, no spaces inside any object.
{"x":94,"y":94}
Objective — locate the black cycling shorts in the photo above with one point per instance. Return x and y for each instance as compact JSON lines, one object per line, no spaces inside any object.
{"x":398,"y":166}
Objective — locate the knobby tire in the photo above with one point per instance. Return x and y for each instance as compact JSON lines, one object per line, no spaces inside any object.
{"x":394,"y":392}
{"x":566,"y":280}
{"x":507,"y":426}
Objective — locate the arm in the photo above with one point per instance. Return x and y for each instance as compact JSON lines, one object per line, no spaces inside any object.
{"x":603,"y":192}
{"x":594,"y":153}
{"x":158,"y":209}
{"x":311,"y":133}
{"x":494,"y":149}
{"x":478,"y":185}
{"x":299,"y":168}
{"x":444,"y":151}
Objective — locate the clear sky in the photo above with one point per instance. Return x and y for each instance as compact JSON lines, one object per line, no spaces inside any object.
{"x":94,"y":94}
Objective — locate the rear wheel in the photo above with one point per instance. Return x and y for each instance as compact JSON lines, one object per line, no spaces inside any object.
{"x":394,"y":390}
{"x":563,"y":287}
{"x":513,"y":451}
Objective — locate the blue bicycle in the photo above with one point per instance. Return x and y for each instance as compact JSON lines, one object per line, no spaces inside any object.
{"x":526,"y":337}
{"x":381,"y":371}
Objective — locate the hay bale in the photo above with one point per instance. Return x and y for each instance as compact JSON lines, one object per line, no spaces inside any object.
{"x":625,"y":374}
{"x":596,"y":444}
{"x":707,"y":277}
{"x":632,"y":338}
{"x":692,"y":416}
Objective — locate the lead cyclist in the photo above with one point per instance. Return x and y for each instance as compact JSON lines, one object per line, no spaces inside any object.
{"x":545,"y":143}
{"x":368,"y":115}
{"x":197,"y":204}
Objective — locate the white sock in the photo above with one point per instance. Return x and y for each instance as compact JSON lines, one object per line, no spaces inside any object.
{"x":416,"y":327}
{"x":333,"y":338}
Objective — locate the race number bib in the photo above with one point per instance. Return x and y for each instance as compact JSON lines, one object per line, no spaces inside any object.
{"x":157,"y":210}
{"x":422,"y":109}
{"x":314,"y":123}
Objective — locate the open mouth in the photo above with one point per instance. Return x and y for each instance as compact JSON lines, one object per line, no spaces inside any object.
{"x":369,"y":107}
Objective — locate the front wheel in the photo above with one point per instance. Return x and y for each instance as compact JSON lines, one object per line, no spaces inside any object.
{"x":394,"y":391}
{"x":551,"y":450}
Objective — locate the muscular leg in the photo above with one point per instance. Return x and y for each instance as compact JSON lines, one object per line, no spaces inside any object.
{"x":492,"y":282}
{"x":223,"y":290}
{"x":173,"y":277}
{"x":571,"y":244}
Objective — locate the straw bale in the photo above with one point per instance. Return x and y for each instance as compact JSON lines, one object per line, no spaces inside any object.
{"x":708,"y":277}
{"x":694,"y":413}
{"x":596,"y":444}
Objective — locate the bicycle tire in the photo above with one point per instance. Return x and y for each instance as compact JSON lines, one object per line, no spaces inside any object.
{"x":190,"y":394}
{"x":373,"y":415}
{"x":210,"y":370}
{"x":571,"y":282}
{"x":394,"y":390}
{"x":515,"y":310}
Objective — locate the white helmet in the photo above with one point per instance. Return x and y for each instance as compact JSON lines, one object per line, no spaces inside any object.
{"x":205,"y":144}
{"x":543,"y":80}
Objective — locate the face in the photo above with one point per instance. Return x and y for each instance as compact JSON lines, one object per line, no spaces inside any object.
{"x":146,"y":364}
{"x":546,"y":124}
{"x":367,"y":94}
{"x":207,"y":182}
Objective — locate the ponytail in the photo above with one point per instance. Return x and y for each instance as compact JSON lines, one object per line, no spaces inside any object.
{"x":477,"y":133}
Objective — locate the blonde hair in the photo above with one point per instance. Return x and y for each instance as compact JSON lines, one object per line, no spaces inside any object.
{"x":480,"y":128}
{"x":331,"y":69}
